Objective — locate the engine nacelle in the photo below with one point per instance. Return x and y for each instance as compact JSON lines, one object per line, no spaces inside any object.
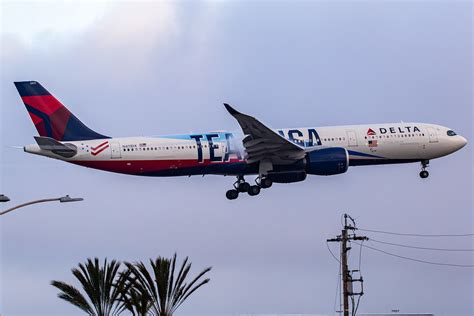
{"x":327,"y":161}
{"x":287,"y":177}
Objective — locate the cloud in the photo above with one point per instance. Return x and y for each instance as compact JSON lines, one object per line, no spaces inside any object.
{"x":146,"y":68}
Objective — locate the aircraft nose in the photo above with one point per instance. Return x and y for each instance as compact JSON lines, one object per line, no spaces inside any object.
{"x":462,"y":142}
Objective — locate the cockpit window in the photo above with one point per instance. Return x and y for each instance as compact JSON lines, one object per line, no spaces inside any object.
{"x":451,"y":133}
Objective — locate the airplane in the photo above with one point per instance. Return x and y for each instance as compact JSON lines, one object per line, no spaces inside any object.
{"x":274,"y":155}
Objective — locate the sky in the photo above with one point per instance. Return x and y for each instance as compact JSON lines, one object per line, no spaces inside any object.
{"x":151,"y":68}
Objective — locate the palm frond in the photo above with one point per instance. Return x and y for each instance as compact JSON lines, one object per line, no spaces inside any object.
{"x":98,"y":284}
{"x":133,"y":296}
{"x":72,"y":295}
{"x":160,"y":288}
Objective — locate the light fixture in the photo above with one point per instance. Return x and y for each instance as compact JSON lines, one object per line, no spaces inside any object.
{"x":67,"y":198}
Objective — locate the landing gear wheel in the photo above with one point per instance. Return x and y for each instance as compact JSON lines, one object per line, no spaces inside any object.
{"x":266,"y":183}
{"x":424,"y":174}
{"x":424,"y":164}
{"x":232,"y":194}
{"x":254,"y":190}
{"x":243,"y":187}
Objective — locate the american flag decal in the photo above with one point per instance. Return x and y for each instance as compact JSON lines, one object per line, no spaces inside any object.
{"x":373,"y":143}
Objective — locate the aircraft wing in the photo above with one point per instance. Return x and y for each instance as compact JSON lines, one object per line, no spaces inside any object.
{"x":263,"y":144}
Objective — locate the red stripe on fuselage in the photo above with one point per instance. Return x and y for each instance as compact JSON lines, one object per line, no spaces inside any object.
{"x":138,"y":167}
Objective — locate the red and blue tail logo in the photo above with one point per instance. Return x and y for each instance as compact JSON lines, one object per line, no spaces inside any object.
{"x":51,"y":118}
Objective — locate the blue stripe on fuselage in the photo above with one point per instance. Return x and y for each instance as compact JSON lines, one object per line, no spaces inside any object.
{"x":356,"y":153}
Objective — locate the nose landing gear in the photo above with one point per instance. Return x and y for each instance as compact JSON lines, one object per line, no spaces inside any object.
{"x":424,"y":173}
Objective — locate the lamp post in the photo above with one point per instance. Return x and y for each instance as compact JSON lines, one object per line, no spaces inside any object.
{"x":63,"y":199}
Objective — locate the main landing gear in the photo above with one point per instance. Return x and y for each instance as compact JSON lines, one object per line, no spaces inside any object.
{"x":424,"y":173}
{"x":241,"y":186}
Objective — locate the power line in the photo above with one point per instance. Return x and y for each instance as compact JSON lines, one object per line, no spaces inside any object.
{"x":417,"y":247}
{"x":415,"y":235}
{"x":338,"y":292}
{"x":360,"y":254}
{"x":418,"y":260}
{"x":327,"y":244}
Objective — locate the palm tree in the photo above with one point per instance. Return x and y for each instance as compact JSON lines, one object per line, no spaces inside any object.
{"x":98,"y":283}
{"x":165,"y":290}
{"x":133,"y":296}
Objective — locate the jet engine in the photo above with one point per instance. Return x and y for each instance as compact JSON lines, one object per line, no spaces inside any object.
{"x":327,"y":161}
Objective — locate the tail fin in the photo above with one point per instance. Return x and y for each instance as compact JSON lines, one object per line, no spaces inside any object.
{"x":51,"y":118}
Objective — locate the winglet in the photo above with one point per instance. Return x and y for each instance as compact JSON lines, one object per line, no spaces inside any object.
{"x":231,"y":110}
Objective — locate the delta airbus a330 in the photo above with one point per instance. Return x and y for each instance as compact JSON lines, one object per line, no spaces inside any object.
{"x":274,"y":156}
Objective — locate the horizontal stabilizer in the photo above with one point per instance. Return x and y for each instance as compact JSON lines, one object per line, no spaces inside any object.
{"x":50,"y":144}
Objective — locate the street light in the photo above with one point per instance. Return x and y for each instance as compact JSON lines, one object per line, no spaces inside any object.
{"x":4,"y":198}
{"x":62,"y":199}
{"x":67,"y":198}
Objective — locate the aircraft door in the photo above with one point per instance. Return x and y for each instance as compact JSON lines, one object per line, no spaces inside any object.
{"x":351,"y":138}
{"x":115,"y":152}
{"x":432,"y":134}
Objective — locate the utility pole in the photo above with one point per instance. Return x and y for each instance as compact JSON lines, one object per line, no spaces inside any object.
{"x":347,"y":280}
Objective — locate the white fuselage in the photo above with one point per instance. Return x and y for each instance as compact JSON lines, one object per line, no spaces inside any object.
{"x":201,"y":153}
